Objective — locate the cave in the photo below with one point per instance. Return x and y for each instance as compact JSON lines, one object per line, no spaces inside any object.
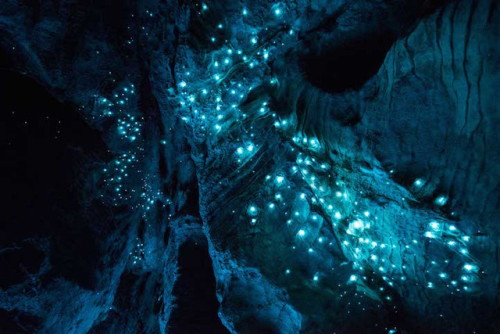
{"x":348,"y":66}
{"x":249,"y":167}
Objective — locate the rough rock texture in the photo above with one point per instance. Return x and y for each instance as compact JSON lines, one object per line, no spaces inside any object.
{"x":228,"y":167}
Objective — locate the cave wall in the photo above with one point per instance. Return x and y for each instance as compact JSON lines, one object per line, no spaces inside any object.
{"x":308,"y":166}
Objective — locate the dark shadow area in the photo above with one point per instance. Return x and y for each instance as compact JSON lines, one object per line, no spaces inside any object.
{"x":197,"y":305}
{"x":19,"y":261}
{"x":348,"y":66}
{"x":17,"y":322}
{"x":347,"y":60}
{"x":47,"y":152}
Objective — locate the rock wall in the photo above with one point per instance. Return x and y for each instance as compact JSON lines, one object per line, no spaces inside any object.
{"x":249,"y":167}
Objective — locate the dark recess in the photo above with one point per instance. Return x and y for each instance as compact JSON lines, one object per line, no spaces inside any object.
{"x":197,"y":306}
{"x":17,"y":322}
{"x":348,"y":66}
{"x":44,"y":146}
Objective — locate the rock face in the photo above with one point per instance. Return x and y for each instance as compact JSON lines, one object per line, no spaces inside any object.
{"x":230,"y":167}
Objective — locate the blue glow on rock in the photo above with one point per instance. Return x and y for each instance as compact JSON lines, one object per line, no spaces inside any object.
{"x":418,"y":183}
{"x":291,"y":197}
{"x":305,"y":197}
{"x":252,"y":210}
{"x":441,"y":200}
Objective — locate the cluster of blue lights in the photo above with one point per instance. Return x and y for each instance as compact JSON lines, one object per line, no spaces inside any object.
{"x":317,"y":204}
{"x":122,"y":174}
{"x":209,"y":99}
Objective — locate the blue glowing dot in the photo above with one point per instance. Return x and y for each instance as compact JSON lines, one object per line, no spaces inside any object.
{"x":441,"y":200}
{"x":429,"y":235}
{"x":301,"y":233}
{"x":358,"y":224}
{"x":418,"y":183}
{"x":434,"y":225}
{"x":182,"y":84}
{"x":470,"y":267}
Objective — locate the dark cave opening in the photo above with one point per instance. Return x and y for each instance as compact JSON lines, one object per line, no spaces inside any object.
{"x":356,"y":56}
{"x":196,"y":305}
{"x":348,"y":66}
